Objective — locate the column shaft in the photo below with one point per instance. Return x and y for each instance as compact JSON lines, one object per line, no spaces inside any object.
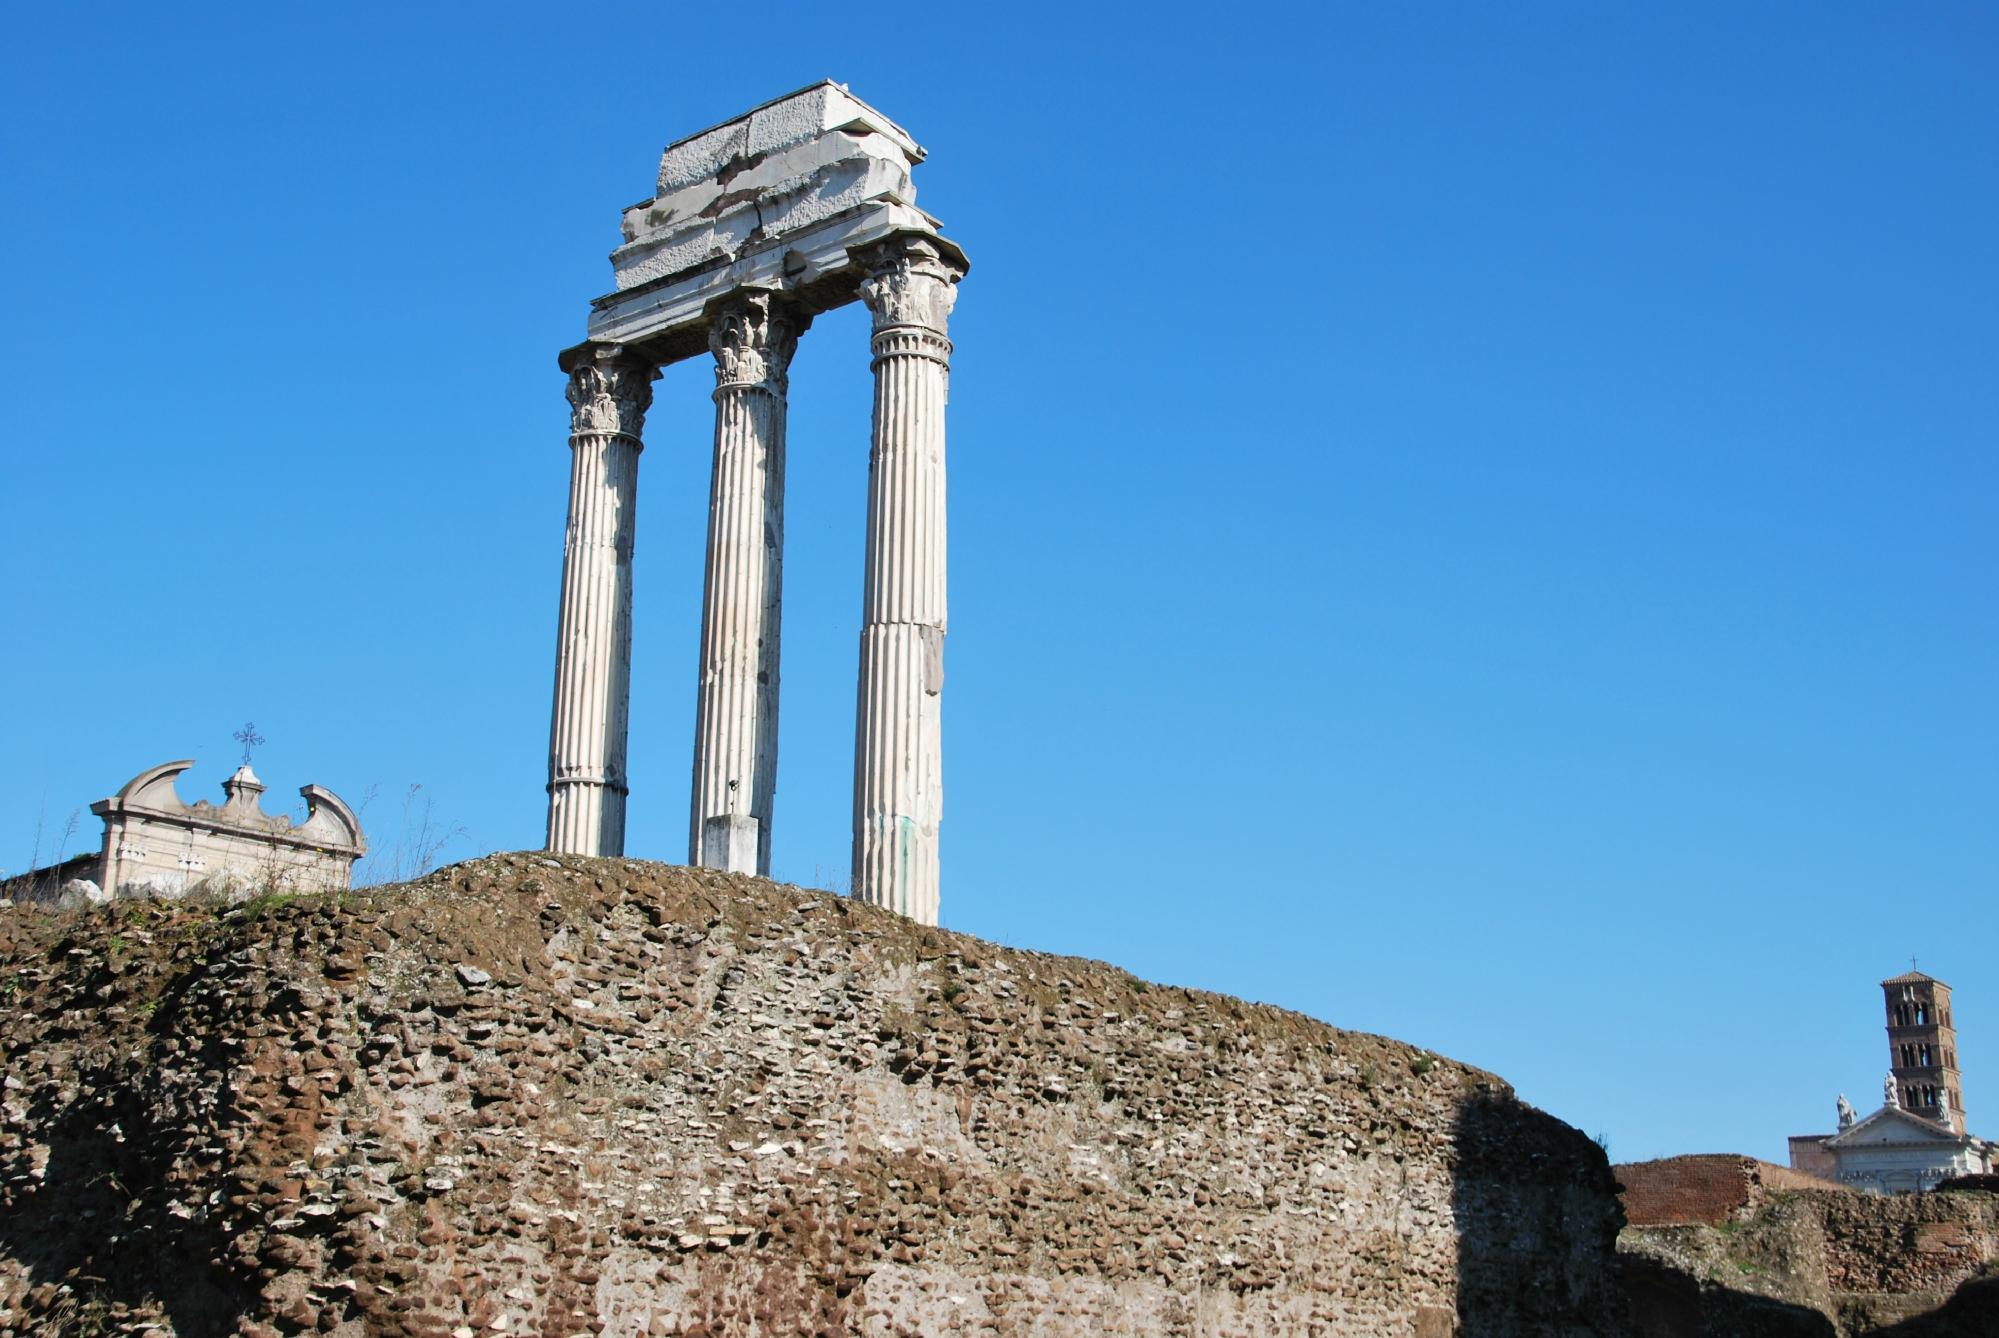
{"x":608,"y":394}
{"x":898,"y":758}
{"x":736,"y":709}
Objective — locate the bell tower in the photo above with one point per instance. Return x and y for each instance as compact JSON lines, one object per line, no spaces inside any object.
{"x":1922,"y":1048}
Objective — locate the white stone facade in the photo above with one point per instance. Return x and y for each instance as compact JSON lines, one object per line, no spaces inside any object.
{"x":1895,"y":1152}
{"x":756,"y":226}
{"x":156,"y":845}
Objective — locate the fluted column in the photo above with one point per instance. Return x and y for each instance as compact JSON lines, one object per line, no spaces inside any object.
{"x":898,"y":761}
{"x":735,"y":722}
{"x":609,"y":392}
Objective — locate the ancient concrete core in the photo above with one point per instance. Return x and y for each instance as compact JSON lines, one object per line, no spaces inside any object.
{"x":756,"y":226}
{"x":537,"y":1094}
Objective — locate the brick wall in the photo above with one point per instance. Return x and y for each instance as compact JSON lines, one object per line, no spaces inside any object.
{"x":1683,"y":1191}
{"x":1705,"y":1190}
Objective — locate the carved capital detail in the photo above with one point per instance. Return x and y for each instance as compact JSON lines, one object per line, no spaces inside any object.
{"x":610,"y":392}
{"x":753,"y":339}
{"x":910,"y":283}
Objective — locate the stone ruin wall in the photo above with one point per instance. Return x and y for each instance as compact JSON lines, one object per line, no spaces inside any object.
{"x":1904,"y":1243}
{"x":562,"y":1095}
{"x":1711,"y":1237}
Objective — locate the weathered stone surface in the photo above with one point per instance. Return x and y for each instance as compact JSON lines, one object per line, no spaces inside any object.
{"x":779,"y":169}
{"x":778,"y":200}
{"x":80,"y":892}
{"x":688,"y":1102}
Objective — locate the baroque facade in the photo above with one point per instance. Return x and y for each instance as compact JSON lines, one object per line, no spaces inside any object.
{"x":157,"y":845}
{"x":755,"y":227}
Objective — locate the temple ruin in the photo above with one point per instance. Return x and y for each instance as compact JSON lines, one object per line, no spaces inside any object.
{"x":756,"y":226}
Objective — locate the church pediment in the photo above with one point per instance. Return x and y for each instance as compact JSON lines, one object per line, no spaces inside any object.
{"x":1891,"y":1125}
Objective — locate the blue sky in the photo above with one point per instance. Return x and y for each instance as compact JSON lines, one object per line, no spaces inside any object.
{"x":1472,"y":522}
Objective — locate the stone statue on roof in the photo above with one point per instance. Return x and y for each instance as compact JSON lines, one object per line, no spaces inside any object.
{"x":1846,"y":1115}
{"x":1889,"y":1096}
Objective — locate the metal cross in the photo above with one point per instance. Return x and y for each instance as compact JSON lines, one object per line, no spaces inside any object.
{"x":249,"y":738}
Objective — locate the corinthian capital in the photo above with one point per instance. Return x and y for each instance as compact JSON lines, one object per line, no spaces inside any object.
{"x":609,"y":392}
{"x":910,"y":282}
{"x":753,"y":340}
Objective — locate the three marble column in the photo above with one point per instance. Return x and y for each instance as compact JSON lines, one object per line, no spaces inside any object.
{"x":908,"y":285}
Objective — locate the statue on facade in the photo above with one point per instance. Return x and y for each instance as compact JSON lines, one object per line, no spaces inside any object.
{"x":1845,"y":1112}
{"x":1889,"y":1096}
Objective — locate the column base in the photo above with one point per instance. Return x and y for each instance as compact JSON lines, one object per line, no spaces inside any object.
{"x":729,"y":843}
